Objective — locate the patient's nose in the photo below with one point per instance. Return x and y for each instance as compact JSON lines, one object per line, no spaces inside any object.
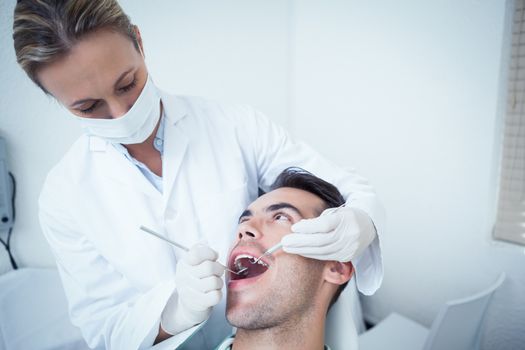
{"x":248,"y":232}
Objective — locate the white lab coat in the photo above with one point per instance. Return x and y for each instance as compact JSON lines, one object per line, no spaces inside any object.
{"x":118,"y":278}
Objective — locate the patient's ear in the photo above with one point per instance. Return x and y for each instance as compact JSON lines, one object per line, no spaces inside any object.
{"x":338,"y":272}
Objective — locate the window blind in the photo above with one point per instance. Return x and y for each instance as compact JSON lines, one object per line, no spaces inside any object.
{"x":510,"y":218}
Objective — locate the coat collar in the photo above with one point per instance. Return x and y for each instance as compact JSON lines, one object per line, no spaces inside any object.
{"x":176,"y":143}
{"x":176,"y":107}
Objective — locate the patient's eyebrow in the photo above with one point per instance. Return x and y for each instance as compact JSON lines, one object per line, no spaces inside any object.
{"x":283,"y":205}
{"x":245,"y":213}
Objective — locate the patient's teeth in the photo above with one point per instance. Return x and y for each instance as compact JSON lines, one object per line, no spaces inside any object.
{"x":241,"y":256}
{"x":262,"y":263}
{"x":247,"y":256}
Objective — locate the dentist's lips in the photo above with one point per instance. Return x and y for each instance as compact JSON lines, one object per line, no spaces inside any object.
{"x":244,"y":258}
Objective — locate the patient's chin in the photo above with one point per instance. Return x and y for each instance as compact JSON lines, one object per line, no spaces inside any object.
{"x":239,"y":307}
{"x":251,"y":318}
{"x":237,"y":303}
{"x":245,"y":298}
{"x":234,"y":314}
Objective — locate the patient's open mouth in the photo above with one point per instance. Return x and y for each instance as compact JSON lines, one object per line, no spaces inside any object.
{"x":252,"y":270}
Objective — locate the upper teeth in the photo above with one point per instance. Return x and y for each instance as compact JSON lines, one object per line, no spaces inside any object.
{"x":240,"y":256}
{"x":251,"y":257}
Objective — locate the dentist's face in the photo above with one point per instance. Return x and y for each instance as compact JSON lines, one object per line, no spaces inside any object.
{"x":283,"y":285}
{"x":101,"y":77}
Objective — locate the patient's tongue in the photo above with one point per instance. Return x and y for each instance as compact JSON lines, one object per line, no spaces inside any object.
{"x":252,"y":270}
{"x":255,"y":270}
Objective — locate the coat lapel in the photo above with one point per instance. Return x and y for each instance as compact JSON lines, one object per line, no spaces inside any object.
{"x":175,"y":144}
{"x":115,"y":166}
{"x":119,"y":169}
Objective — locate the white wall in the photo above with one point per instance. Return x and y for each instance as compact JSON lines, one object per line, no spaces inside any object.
{"x":405,"y":91}
{"x":232,"y":51}
{"x":37,"y":132}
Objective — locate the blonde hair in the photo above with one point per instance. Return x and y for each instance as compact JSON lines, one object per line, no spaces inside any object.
{"x":45,"y":30}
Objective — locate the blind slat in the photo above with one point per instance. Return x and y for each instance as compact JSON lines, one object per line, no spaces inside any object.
{"x":510,"y":218}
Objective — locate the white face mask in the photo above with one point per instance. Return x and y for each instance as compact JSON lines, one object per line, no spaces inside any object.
{"x":133,"y":127}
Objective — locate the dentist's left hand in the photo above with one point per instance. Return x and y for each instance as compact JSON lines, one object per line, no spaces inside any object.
{"x":199,"y":283}
{"x":340,"y":234}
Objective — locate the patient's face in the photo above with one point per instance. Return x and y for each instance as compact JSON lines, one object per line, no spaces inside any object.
{"x":283,"y":285}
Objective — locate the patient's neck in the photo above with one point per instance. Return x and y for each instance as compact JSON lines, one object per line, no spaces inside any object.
{"x":305,"y":332}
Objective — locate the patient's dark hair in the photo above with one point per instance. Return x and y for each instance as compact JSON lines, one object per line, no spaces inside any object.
{"x":303,"y":180}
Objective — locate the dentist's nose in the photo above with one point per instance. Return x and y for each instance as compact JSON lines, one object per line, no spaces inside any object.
{"x":118,"y":108}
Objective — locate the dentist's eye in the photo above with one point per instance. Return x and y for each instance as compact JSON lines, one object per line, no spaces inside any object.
{"x":129,"y":86}
{"x":89,"y":109}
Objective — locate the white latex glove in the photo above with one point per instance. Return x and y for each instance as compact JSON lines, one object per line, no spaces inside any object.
{"x":339,"y":234}
{"x":199,"y":283}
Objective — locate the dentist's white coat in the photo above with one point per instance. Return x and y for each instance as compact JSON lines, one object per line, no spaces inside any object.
{"x":116,"y":277}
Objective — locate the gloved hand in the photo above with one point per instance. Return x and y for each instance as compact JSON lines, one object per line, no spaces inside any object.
{"x":339,"y":234}
{"x":198,"y":290}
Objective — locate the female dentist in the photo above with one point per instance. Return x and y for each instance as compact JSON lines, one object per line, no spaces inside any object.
{"x":182,"y":166}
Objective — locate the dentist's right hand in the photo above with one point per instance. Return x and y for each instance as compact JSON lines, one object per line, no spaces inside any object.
{"x":198,"y":289}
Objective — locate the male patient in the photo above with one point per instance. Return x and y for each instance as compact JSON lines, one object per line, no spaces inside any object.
{"x":282,"y":301}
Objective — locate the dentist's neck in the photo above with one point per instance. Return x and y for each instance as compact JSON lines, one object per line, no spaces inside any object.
{"x":146,"y":153}
{"x":305,"y":332}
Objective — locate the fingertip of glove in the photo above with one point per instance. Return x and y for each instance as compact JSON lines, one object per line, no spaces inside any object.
{"x":221,"y":269}
{"x":286,"y":240}
{"x":299,"y":226}
{"x":208,"y":251}
{"x":214,"y":297}
{"x":289,"y":242}
{"x":213,"y":254}
{"x":286,"y":249}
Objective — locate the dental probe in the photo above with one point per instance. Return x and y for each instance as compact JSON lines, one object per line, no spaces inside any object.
{"x":268,"y":252}
{"x":186,"y":249}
